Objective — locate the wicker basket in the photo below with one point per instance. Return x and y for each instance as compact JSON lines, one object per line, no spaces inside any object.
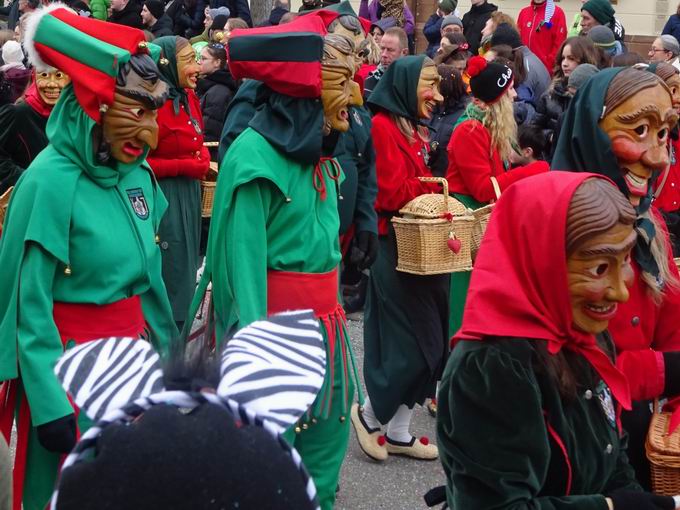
{"x":424,"y":231}
{"x":482,"y":217}
{"x":4,"y":202}
{"x":208,"y":190}
{"x":663,"y":452}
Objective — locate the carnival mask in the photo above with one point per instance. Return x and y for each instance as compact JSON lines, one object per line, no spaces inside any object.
{"x":428,"y":91}
{"x":599,"y":272}
{"x":673,"y":84}
{"x":638,"y":129}
{"x":50,"y":85}
{"x":129,"y":125}
{"x":187,"y":68}
{"x":338,"y":89}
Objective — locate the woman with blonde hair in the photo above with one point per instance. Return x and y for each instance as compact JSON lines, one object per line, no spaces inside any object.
{"x":479,"y":153}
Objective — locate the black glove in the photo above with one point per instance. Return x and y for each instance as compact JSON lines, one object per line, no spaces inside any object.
{"x":58,"y":436}
{"x":364,"y":250}
{"x":671,"y":361}
{"x":631,"y":500}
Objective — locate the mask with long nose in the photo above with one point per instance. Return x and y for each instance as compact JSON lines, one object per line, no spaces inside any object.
{"x":129,"y":125}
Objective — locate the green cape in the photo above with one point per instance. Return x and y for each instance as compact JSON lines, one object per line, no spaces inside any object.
{"x":397,"y":90}
{"x":40,"y":212}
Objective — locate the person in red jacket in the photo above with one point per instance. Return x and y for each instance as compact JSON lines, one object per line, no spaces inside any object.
{"x":479,"y":154}
{"x":628,"y":144}
{"x":405,"y":338}
{"x":543,"y":28}
{"x":179,"y":161}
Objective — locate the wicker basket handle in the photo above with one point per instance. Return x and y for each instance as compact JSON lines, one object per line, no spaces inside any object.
{"x":445,"y":188}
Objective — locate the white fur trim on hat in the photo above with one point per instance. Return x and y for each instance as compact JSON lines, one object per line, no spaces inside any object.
{"x":32,"y":22}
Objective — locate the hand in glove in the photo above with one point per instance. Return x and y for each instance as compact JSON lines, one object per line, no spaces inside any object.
{"x":671,"y":361}
{"x":58,"y":436}
{"x":631,"y":500}
{"x":364,"y":250}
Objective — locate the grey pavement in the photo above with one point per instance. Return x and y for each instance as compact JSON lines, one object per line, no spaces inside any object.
{"x":398,"y":483}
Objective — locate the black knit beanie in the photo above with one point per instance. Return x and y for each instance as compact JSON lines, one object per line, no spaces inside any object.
{"x":488,"y":80}
{"x":505,"y":34}
{"x":155,"y":7}
{"x":219,"y":22}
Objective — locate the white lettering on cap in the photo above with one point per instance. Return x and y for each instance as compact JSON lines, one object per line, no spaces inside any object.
{"x":505,"y":78}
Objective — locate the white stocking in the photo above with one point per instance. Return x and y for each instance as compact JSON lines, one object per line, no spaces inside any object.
{"x":397,"y":428}
{"x":369,"y":415}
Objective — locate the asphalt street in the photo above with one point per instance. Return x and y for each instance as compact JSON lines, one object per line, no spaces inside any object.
{"x":398,"y":483}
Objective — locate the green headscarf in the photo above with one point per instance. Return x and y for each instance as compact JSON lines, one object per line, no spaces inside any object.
{"x":601,"y":10}
{"x":169,"y":73}
{"x":397,"y":90}
{"x":584,"y":147}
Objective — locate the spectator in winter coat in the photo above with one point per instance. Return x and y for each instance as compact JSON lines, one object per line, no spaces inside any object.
{"x":126,"y":12}
{"x":497,"y":18}
{"x":552,"y":104}
{"x":210,"y":15}
{"x":432,"y":28}
{"x":543,"y":28}
{"x":237,"y":8}
{"x":603,"y":39}
{"x":475,"y":20}
{"x":374,"y":12}
{"x":600,"y":12}
{"x":381,"y":26}
{"x":444,"y":117}
{"x":393,"y":46}
{"x":216,"y":87}
{"x":280,"y":8}
{"x":187,"y":16}
{"x":155,"y":20}
{"x":665,"y":49}
{"x":537,"y":77}
{"x":99,"y":8}
{"x":13,"y":69}
{"x":672,"y":26}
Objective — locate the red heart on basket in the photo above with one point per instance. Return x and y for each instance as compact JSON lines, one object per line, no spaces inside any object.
{"x":454,"y":244}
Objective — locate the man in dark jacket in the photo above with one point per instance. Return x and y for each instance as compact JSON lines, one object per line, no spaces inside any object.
{"x":155,"y":20}
{"x":280,"y":8}
{"x":432,"y":28}
{"x":126,"y":12}
{"x":237,"y":8}
{"x":474,"y":21}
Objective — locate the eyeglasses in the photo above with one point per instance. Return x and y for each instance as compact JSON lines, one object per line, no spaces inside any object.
{"x":655,"y":50}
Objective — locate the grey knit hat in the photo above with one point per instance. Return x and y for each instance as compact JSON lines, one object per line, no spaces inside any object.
{"x":451,"y":19}
{"x":224,"y":11}
{"x":602,"y":36}
{"x":671,"y":44}
{"x":581,"y":74}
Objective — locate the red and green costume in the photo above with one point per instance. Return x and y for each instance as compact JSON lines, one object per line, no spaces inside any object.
{"x":78,"y":251}
{"x":273,"y":241}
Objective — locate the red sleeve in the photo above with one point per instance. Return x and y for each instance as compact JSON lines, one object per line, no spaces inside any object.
{"x":667,"y":327}
{"x":469,"y":151}
{"x":559,"y":31}
{"x":522,"y":25}
{"x":644,"y":370}
{"x":396,"y":184}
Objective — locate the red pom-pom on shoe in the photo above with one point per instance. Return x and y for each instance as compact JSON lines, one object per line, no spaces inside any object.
{"x":381,"y":440}
{"x":424,"y":440}
{"x":476,"y":65}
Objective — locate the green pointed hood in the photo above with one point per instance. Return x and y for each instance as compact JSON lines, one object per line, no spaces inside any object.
{"x":169,"y":73}
{"x":69,"y":130}
{"x":397,"y":90}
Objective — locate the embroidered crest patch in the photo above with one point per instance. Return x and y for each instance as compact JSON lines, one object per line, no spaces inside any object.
{"x":138,"y":202}
{"x":604,"y":395}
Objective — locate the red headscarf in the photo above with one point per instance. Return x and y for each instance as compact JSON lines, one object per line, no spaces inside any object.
{"x":35,"y":101}
{"x":519,"y":284}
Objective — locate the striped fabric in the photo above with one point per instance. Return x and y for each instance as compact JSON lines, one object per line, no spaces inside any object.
{"x":275,"y":367}
{"x":107,"y":374}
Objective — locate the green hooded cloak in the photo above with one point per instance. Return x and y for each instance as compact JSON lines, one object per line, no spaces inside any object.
{"x":397,"y":90}
{"x":69,"y":210}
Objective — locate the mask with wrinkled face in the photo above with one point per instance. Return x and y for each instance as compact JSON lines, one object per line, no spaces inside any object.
{"x":428,"y":91}
{"x":129,"y":125}
{"x":338,"y":89}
